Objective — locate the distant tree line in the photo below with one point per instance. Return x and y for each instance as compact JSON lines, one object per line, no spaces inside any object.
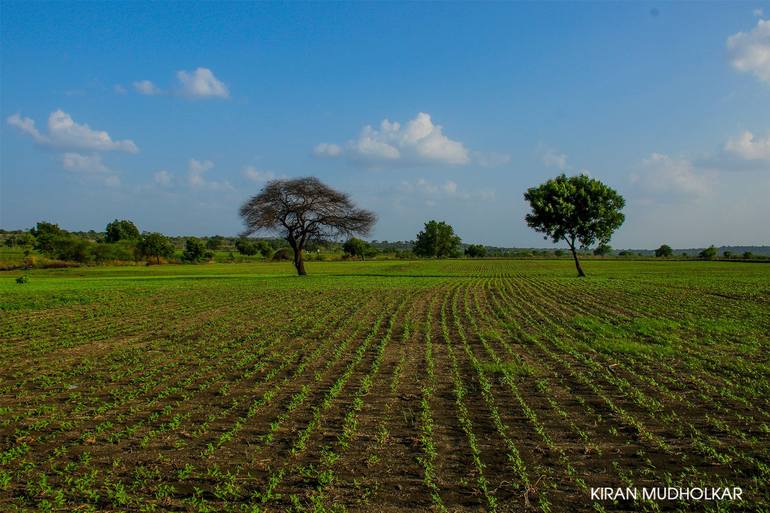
{"x":310,"y":220}
{"x":122,"y":241}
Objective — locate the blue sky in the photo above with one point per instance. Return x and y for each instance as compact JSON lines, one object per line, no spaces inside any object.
{"x":173,"y":114}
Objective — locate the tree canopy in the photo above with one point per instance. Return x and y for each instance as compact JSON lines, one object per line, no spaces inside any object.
{"x":437,"y":240}
{"x":121,"y":230}
{"x":476,"y":251}
{"x":304,"y":210}
{"x":709,"y":253}
{"x":215,"y":242}
{"x":195,"y":251}
{"x":45,"y":235}
{"x":603,"y":250}
{"x":578,"y":210}
{"x":356,"y":247}
{"x":155,"y":245}
{"x":246,"y":247}
{"x":664,"y":251}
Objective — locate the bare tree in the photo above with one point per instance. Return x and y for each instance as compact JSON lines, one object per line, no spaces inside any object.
{"x":303,"y":210}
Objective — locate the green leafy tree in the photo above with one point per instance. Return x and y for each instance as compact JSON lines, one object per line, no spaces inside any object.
{"x":215,"y":242}
{"x":60,"y":244}
{"x":578,"y":210}
{"x":356,"y":247}
{"x":72,"y":248}
{"x":264,"y":248}
{"x":437,"y":240}
{"x":246,"y":247}
{"x":25,"y":239}
{"x":748,"y":255}
{"x":603,"y":250}
{"x":155,"y":245}
{"x":121,"y":230}
{"x":709,"y":253}
{"x":45,"y":234}
{"x":195,"y":251}
{"x":664,"y":251}
{"x":120,"y":251}
{"x":476,"y":251}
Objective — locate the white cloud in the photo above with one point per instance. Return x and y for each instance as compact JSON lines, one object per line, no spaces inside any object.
{"x":196,"y":179}
{"x":202,"y":83}
{"x":372,"y":144}
{"x":195,"y":170}
{"x":746,"y":147}
{"x":257,"y":176}
{"x":663,"y":176}
{"x":89,"y":167}
{"x":759,"y":13}
{"x":448,"y":188}
{"x":430,"y":142}
{"x":420,"y":141}
{"x":65,"y":133}
{"x":433,"y":193}
{"x":27,"y":126}
{"x":112,"y":181}
{"x":162,"y":178}
{"x":490,"y":159}
{"x":553,"y":158}
{"x":750,"y":51}
{"x":119,"y":89}
{"x":327,"y":150}
{"x":146,"y":87}
{"x":78,"y":163}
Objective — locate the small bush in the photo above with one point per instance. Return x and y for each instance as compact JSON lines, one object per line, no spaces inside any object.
{"x":246,"y":247}
{"x":283,"y":254}
{"x":708,"y":254}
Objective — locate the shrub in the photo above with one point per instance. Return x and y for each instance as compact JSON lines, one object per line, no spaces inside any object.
{"x":476,"y":251}
{"x":155,"y":245}
{"x":44,"y":234}
{"x":195,"y":251}
{"x":246,"y":247}
{"x":709,"y":253}
{"x":283,"y":254}
{"x":70,"y":247}
{"x":603,"y":250}
{"x":264,"y":248}
{"x":664,"y":251}
{"x":121,"y":251}
{"x":215,"y":242}
{"x":355,"y":247}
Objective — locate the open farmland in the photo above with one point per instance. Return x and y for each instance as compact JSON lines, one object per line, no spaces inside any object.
{"x":383,"y":386}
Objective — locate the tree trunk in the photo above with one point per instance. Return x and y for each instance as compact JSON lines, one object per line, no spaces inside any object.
{"x":299,"y":262}
{"x":581,"y":274}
